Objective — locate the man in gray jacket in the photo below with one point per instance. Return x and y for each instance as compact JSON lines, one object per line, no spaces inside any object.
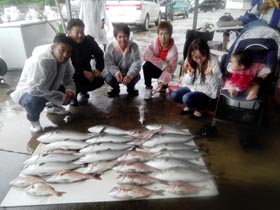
{"x":46,"y":78}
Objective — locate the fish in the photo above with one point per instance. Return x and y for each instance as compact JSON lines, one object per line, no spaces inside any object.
{"x":164,"y":163}
{"x":24,"y":181}
{"x":61,"y":135}
{"x":70,"y":176}
{"x":181,"y":154}
{"x":66,"y":145}
{"x":42,"y":189}
{"x":125,"y":167}
{"x":172,"y":146}
{"x":181,"y":174}
{"x":109,"y":138}
{"x":184,"y":188}
{"x":136,"y":156}
{"x":137,"y":179}
{"x":126,"y":191}
{"x":50,"y":157}
{"x":44,"y":169}
{"x":98,"y":167}
{"x":107,"y":129}
{"x":167,"y":138}
{"x":142,"y":133}
{"x":105,"y":146}
{"x":101,"y":156}
{"x":167,"y":129}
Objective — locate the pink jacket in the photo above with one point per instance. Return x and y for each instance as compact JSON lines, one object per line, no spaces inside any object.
{"x":151,"y":54}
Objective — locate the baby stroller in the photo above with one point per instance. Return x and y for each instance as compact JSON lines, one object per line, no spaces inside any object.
{"x":263,"y":42}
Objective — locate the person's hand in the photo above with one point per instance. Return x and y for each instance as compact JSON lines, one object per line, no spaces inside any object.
{"x":69,"y":95}
{"x":168,"y":68}
{"x":127,"y":79}
{"x":159,"y":87}
{"x":96,"y":73}
{"x":208,"y":70}
{"x":89,"y":75}
{"x":119,"y":77}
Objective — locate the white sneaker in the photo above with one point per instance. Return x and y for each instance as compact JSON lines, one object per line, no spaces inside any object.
{"x":148,"y":93}
{"x":36,"y":127}
{"x":56,"y":110}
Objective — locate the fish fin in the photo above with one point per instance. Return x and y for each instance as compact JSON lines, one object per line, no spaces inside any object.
{"x":59,"y":194}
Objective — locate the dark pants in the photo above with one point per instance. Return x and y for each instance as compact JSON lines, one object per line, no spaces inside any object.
{"x":112,"y":81}
{"x":150,"y":71}
{"x":84,"y":85}
{"x":33,"y":105}
{"x":193,"y":100}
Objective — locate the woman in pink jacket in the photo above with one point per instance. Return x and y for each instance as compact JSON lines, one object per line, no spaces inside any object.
{"x":161,"y":57}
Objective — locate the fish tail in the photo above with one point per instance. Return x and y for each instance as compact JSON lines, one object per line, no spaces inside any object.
{"x":59,"y":194}
{"x":96,"y":176}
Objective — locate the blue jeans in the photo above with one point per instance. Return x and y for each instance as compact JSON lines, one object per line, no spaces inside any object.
{"x":194,"y":100}
{"x":33,"y":105}
{"x":112,"y":81}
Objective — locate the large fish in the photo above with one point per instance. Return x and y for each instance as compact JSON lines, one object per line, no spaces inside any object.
{"x":125,"y":167}
{"x":137,"y":178}
{"x":132,"y":192}
{"x":181,"y":154}
{"x":50,"y":157}
{"x":24,"y":181}
{"x":66,"y":145}
{"x":184,"y":188}
{"x":167,"y":138}
{"x":71,"y":176}
{"x":105,"y":146}
{"x":109,"y":138}
{"x":98,"y":167}
{"x":167,"y":129}
{"x":172,"y":146}
{"x":42,"y":189}
{"x":44,"y":169}
{"x":101,"y":156}
{"x":181,"y":174}
{"x":136,"y":156}
{"x":60,"y":135}
{"x":107,"y":129}
{"x":164,"y":163}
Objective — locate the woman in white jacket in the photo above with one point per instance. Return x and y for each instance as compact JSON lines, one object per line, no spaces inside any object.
{"x":201,"y":80}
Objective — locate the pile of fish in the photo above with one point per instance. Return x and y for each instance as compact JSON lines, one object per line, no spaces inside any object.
{"x":160,"y":155}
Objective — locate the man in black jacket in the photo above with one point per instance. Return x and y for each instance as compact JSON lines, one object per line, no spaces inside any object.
{"x":86,"y":78}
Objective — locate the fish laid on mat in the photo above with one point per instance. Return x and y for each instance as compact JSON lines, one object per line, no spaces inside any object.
{"x":172,"y":146}
{"x":66,"y":145}
{"x":132,"y":192}
{"x":24,"y":181}
{"x":167,"y":129}
{"x":105,"y":146}
{"x":181,"y":174}
{"x":70,"y":176}
{"x":60,"y":135}
{"x":137,"y":178}
{"x":109,"y":138}
{"x":50,"y":157}
{"x":101,"y":156}
{"x":124,"y":167}
{"x":181,"y":154}
{"x":44,"y":169}
{"x":136,"y":156}
{"x":98,"y":167}
{"x":184,"y":188}
{"x":42,"y":189}
{"x":107,"y":129}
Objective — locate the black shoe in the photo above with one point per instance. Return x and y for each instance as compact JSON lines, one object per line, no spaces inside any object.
{"x":74,"y":102}
{"x":113,"y":93}
{"x":133,"y":92}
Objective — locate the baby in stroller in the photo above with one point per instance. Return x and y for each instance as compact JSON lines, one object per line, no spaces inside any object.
{"x":246,"y":75}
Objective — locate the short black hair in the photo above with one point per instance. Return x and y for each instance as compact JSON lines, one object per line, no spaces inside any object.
{"x":243,"y":58}
{"x":121,"y":27}
{"x":165,"y":25}
{"x":62,"y":38}
{"x":74,"y":22}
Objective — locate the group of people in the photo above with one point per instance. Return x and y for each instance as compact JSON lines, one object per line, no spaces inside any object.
{"x":64,"y":71}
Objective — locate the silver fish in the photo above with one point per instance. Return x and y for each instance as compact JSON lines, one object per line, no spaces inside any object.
{"x":172,"y":146}
{"x":136,"y":156}
{"x":137,"y":178}
{"x":66,"y":145}
{"x":44,"y":169}
{"x":125,"y":167}
{"x":109,"y":138}
{"x":70,"y":176}
{"x":98,"y":167}
{"x":181,"y":174}
{"x":107,"y":129}
{"x":105,"y":146}
{"x":42,"y":189}
{"x":167,"y":129}
{"x":181,"y":154}
{"x":101,"y":156}
{"x":24,"y":181}
{"x":184,"y":188}
{"x":60,"y":135}
{"x":167,"y":138}
{"x":50,"y":157}
{"x":132,"y":192}
{"x":164,"y":163}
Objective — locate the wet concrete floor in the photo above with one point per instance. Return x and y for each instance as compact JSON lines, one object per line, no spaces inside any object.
{"x":246,"y":179}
